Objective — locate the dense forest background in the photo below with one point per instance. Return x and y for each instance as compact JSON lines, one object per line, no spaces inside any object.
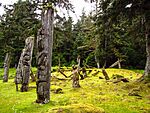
{"x":92,"y":38}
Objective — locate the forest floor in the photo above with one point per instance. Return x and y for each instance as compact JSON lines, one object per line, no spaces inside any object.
{"x":96,"y":95}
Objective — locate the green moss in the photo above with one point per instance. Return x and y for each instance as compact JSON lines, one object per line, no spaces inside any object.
{"x":95,"y":95}
{"x":77,"y":108}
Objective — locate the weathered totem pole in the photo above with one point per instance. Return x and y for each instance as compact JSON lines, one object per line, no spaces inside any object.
{"x":24,"y":65}
{"x":75,"y":77}
{"x":44,"y":45}
{"x":6,"y":67}
{"x":79,"y":66}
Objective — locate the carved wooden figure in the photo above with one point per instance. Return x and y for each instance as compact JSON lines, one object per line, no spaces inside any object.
{"x":44,"y":45}
{"x":6,"y":67}
{"x":75,"y":78}
{"x":24,"y":65}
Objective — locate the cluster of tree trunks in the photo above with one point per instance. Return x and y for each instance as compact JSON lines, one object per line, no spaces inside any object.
{"x":6,"y":67}
{"x":24,"y":65}
{"x":44,"y":45}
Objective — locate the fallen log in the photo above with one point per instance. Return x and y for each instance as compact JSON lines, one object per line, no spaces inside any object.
{"x":105,"y":74}
{"x":62,"y":73}
{"x":94,"y":74}
{"x":116,"y":63}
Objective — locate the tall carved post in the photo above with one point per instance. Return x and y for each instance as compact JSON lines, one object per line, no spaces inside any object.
{"x":24,"y":65}
{"x":6,"y":67}
{"x":75,"y":78}
{"x":79,"y":66}
{"x":18,"y":78}
{"x":44,"y":43}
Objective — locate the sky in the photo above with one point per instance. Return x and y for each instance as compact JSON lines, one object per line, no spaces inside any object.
{"x":79,"y":5}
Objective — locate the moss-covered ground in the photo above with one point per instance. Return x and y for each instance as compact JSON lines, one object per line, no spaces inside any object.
{"x":95,"y":95}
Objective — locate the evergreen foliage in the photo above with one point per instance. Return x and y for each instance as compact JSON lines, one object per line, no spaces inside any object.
{"x":115,"y":32}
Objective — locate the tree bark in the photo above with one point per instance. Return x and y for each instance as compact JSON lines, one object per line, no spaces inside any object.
{"x":44,"y":43}
{"x":6,"y":67}
{"x":24,"y":65}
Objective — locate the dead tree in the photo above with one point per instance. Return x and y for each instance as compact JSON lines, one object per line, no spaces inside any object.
{"x":24,"y":65}
{"x":6,"y":67}
{"x":44,"y":55}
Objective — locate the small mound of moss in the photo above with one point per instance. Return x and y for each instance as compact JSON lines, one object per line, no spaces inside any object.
{"x":77,"y":108}
{"x":117,"y":76}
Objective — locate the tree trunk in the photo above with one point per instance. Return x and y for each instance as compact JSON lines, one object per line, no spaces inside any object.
{"x":24,"y":65}
{"x":98,"y":65}
{"x":6,"y":67}
{"x":59,"y":65}
{"x":97,"y":62}
{"x":147,"y":67}
{"x":146,"y":74}
{"x":44,"y":43}
{"x":119,"y":64}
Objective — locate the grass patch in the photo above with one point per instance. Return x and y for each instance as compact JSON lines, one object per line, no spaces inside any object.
{"x":95,"y":95}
